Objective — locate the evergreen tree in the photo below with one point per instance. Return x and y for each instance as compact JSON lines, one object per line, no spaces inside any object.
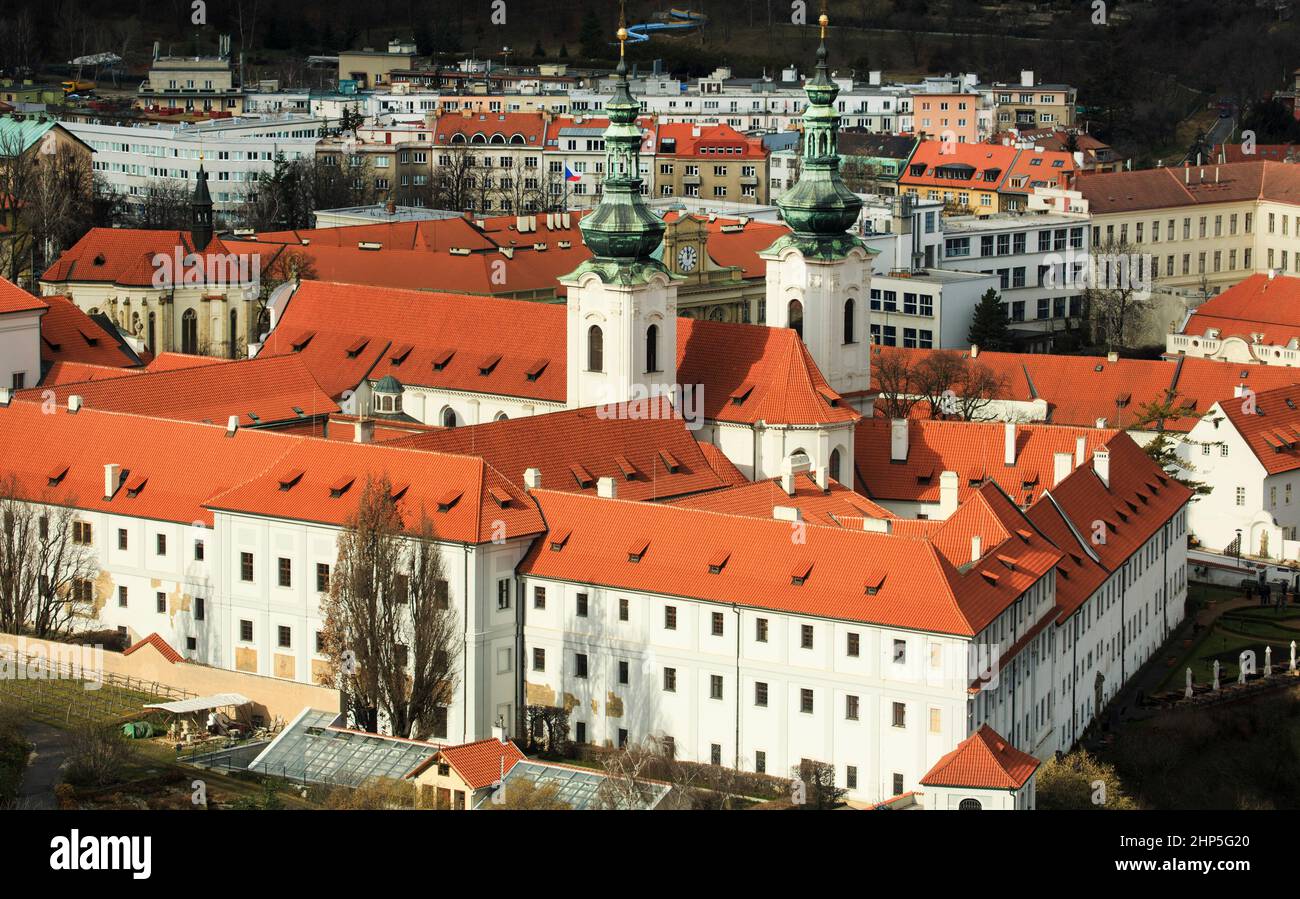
{"x":988,"y":327}
{"x":1163,"y":448}
{"x":539,"y":52}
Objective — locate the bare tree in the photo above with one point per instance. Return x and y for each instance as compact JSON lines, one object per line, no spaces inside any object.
{"x":46,"y":565}
{"x":635,"y":774}
{"x":896,"y":382}
{"x":522,"y":794}
{"x":815,"y":785}
{"x":1118,"y":294}
{"x":390,"y":632}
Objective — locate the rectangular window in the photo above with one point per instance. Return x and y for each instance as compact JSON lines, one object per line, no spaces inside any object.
{"x":322,"y":577}
{"x":121,"y":538}
{"x":246,"y":567}
{"x":851,"y":777}
{"x":161,"y":541}
{"x":539,"y":597}
{"x":717,"y":624}
{"x":760,"y":693}
{"x":582,"y":605}
{"x":900,"y":652}
{"x":806,"y":636}
{"x":806,"y":701}
{"x":760,"y":761}
{"x":623,"y":673}
{"x":198,"y":550}
{"x":760,"y":630}
{"x":670,"y":618}
{"x":580,"y":664}
{"x":898,"y":785}
{"x":670,"y":680}
{"x":580,"y":732}
{"x":161,"y":602}
{"x":81,"y":533}
{"x":854,"y":648}
{"x":539,"y":659}
{"x":245,"y":630}
{"x":121,"y":597}
{"x":200,"y":608}
{"x":285,"y":572}
{"x":936,"y":721}
{"x":715,"y":686}
{"x":900,"y":715}
{"x":851,"y":708}
{"x":503,"y":593}
{"x":284,"y":637}
{"x":622,"y":609}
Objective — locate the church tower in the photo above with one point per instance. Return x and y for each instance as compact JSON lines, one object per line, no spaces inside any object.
{"x":201,"y":212}
{"x":818,"y":277}
{"x":622,"y":303}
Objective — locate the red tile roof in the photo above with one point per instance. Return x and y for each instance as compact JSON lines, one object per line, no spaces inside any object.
{"x":482,"y":763}
{"x":270,"y":388}
{"x":911,"y":584}
{"x":125,"y":256}
{"x":838,"y":507}
{"x":984,"y":760}
{"x":14,"y":299}
{"x":162,"y":646}
{"x":74,"y":372}
{"x":988,"y":165}
{"x":1259,"y":304}
{"x":1272,"y":430}
{"x":974,"y":450}
{"x":70,"y":335}
{"x":722,"y":466}
{"x":508,"y":128}
{"x":324,"y":320}
{"x":590,"y":440}
{"x":1079,"y":390}
{"x":1114,"y":192}
{"x":171,"y":361}
{"x":707,"y":142}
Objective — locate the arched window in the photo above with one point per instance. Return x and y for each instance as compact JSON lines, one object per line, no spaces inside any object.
{"x":153,"y":333}
{"x":850,"y":307}
{"x":835,"y":465}
{"x":449,"y":417}
{"x":652,"y":348}
{"x":795,"y":317}
{"x":969,"y":805}
{"x":595,"y":349}
{"x":189,"y":332}
{"x":501,"y":416}
{"x":234,"y":333}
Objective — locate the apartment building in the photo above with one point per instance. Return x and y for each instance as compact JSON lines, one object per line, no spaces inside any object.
{"x":983,"y":178}
{"x":194,"y":84}
{"x":711,"y":161}
{"x":1029,"y":104}
{"x":1204,"y":228}
{"x":1253,"y":322}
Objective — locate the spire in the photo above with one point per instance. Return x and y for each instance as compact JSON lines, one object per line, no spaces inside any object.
{"x":622,"y":231}
{"x":201,"y":211}
{"x":820,"y":209}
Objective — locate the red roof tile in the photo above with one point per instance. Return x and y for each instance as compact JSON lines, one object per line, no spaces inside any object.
{"x":482,"y":763}
{"x":839,"y":507}
{"x":1190,"y":186}
{"x":1271,"y":429}
{"x":70,"y":335}
{"x":1258,"y":304}
{"x":14,"y":299}
{"x":158,"y":643}
{"x":983,"y":760}
{"x":125,"y":256}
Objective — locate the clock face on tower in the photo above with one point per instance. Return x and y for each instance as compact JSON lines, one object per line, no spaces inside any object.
{"x":686,"y":259}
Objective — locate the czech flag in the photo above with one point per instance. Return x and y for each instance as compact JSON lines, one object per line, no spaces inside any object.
{"x":570,"y":176}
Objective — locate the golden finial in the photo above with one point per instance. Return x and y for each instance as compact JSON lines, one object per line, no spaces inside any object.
{"x":622,"y":28}
{"x":823,"y":20}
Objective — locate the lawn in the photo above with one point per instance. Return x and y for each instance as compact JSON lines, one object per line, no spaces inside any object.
{"x":1250,"y":627}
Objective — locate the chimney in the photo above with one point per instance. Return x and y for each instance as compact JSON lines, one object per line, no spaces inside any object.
{"x":1026,"y":77}
{"x":232,"y":425}
{"x":606,"y":487}
{"x":499,"y":733}
{"x":1060,"y":467}
{"x":1112,"y":357}
{"x":974,"y":350}
{"x":947,"y":493}
{"x":5,"y":396}
{"x":1101,"y":465}
{"x":111,"y":479}
{"x":898,"y":440}
{"x":1079,"y":445}
{"x":1239,"y":391}
{"x":975,"y":548}
{"x":786,"y":513}
{"x":74,"y":403}
{"x":1101,"y":422}
{"x":532,"y":479}
{"x":1009,"y":443}
{"x":823,"y":479}
{"x":365,"y":431}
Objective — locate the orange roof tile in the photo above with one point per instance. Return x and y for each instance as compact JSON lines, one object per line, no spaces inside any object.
{"x":1174,"y":186}
{"x":73,"y":372}
{"x":164,"y":648}
{"x":1259,"y":304}
{"x":839,"y":507}
{"x":125,"y":256}
{"x":1271,"y":429}
{"x":482,"y":763}
{"x":984,"y":760}
{"x":14,"y":299}
{"x":70,"y":335}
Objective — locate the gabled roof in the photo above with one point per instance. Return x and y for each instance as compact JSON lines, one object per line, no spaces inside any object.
{"x":704,"y":141}
{"x":1172,"y":186}
{"x":988,"y":165}
{"x":262,"y":391}
{"x":974,"y":450}
{"x":14,"y":299}
{"x":835,"y":572}
{"x":124,"y":256}
{"x":74,"y":372}
{"x":984,"y":760}
{"x":70,"y":335}
{"x":629,"y":450}
{"x":507,"y":128}
{"x":1272,"y":430}
{"x":1257,"y":305}
{"x":163,"y":648}
{"x":479,"y":764}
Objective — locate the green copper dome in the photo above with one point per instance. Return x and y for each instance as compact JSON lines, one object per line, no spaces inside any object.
{"x":622,"y":229}
{"x":820,"y":209}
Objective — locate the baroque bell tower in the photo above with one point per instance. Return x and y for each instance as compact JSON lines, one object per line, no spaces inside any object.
{"x":818,"y":277}
{"x":622,"y":303}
